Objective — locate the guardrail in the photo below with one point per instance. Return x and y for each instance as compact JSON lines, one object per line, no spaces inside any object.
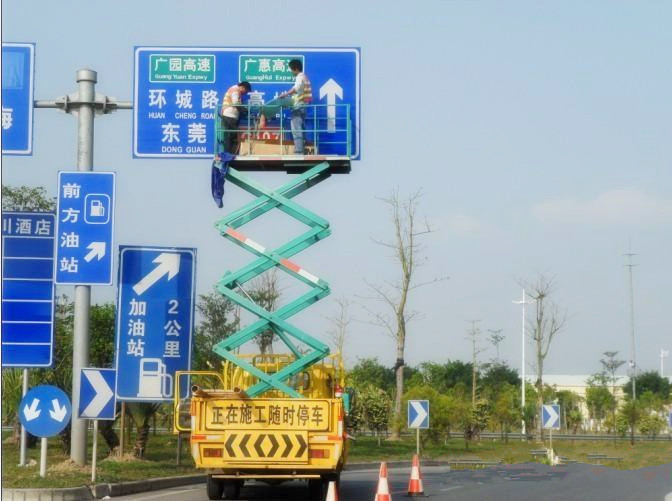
{"x":570,"y":436}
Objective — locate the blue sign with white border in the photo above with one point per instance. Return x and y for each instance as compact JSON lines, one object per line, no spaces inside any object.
{"x":45,"y":411}
{"x":96,"y":393}
{"x":85,"y":228}
{"x":27,"y":289}
{"x":550,"y":416}
{"x":18,"y":75}
{"x":155,"y":313}
{"x":175,"y":107}
{"x":418,"y":414}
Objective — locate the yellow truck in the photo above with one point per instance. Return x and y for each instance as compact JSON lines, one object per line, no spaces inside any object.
{"x":271,"y":438}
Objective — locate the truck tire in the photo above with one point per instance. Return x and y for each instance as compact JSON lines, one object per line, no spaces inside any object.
{"x":214,"y":488}
{"x":231,"y":489}
{"x":316,"y":491}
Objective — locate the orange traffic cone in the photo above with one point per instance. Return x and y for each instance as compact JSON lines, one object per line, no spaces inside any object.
{"x":415,"y":483}
{"x":383,"y":492}
{"x":332,"y":492}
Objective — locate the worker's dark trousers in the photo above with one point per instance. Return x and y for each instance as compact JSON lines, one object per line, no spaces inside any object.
{"x":230,"y":126}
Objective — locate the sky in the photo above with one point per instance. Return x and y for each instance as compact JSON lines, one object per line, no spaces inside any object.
{"x":538,"y":133}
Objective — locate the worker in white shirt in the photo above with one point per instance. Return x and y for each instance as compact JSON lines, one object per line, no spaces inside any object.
{"x":231,"y":114}
{"x":302,"y":96}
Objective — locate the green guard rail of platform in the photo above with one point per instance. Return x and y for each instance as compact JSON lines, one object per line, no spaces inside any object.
{"x":265,"y":259}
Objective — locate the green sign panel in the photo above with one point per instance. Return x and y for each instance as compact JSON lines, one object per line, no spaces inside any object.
{"x":259,"y":68}
{"x":193,"y":68}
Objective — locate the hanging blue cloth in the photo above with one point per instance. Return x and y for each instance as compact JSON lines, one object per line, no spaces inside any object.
{"x":220,"y":166}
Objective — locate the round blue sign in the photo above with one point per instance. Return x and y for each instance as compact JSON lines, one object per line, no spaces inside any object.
{"x":45,"y":411}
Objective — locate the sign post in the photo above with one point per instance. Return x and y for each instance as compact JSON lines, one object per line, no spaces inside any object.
{"x":550,"y":417}
{"x":176,"y":92}
{"x":418,"y":418}
{"x":155,"y":309}
{"x":45,"y":411}
{"x":18,"y":70}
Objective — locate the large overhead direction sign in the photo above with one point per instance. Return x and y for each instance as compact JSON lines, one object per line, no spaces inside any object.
{"x":18,"y":70}
{"x":27,"y":289}
{"x":85,"y":227}
{"x":176,"y":91}
{"x":155,"y":310}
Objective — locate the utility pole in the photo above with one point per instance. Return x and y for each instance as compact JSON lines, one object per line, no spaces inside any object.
{"x":473,"y":334}
{"x":496,"y":338}
{"x":84,"y":104}
{"x":523,"y":302}
{"x":633,"y":360}
{"x":663,"y":354}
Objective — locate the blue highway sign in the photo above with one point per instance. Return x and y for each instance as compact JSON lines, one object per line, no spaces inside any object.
{"x":155,"y":318}
{"x":18,"y":70}
{"x":85,"y":228}
{"x":418,"y":414}
{"x":27,"y":289}
{"x":176,"y":91}
{"x":550,"y":416}
{"x":45,"y":411}
{"x":96,"y":397}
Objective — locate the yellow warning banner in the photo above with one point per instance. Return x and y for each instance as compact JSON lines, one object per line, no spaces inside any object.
{"x":262,"y":446}
{"x":276,"y":414}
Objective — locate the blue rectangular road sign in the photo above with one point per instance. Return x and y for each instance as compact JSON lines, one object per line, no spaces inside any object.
{"x":155,"y":318}
{"x":176,"y":91}
{"x":418,"y":414}
{"x":550,"y":416}
{"x":18,"y":70}
{"x":96,"y":393}
{"x":27,"y":289}
{"x":85,"y":227}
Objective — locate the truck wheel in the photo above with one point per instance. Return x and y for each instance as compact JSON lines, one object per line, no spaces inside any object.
{"x":215,"y":488}
{"x":316,"y":490}
{"x":231,"y":489}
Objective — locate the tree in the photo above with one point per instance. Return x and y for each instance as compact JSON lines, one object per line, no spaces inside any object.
{"x":445,"y":376}
{"x":376,"y":408}
{"x":649,"y":381}
{"x":407,"y":251}
{"x":496,"y":338}
{"x":505,"y":409}
{"x":341,"y":322}
{"x":473,"y":334}
{"x":265,"y":292}
{"x":610,"y":365}
{"x":497,"y":375}
{"x":598,"y":397}
{"x":570,"y":409}
{"x":547,"y":322}
{"x":219,"y":319}
{"x":141,"y":413}
{"x":369,"y":371}
{"x":631,"y":413}
{"x":27,"y":199}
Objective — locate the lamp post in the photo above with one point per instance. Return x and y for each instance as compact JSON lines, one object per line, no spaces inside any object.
{"x":523,"y":302}
{"x":663,"y":355}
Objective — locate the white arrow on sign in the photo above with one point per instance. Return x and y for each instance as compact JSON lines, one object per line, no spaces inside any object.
{"x":96,"y":249}
{"x":331,"y":89}
{"x":32,"y":412}
{"x":168,"y":264}
{"x":552,"y":416}
{"x":59,"y":412}
{"x":421,"y":414}
{"x":103,"y":394}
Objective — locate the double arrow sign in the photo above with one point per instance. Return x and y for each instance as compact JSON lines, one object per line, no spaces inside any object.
{"x":56,"y":412}
{"x":239,"y":445}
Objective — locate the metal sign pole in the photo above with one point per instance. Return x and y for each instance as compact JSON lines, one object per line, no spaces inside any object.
{"x":417,"y":441}
{"x":122,"y":429}
{"x":43,"y":458}
{"x":24,"y":438}
{"x":95,"y":451}
{"x":179,"y":449}
{"x":80,"y":343}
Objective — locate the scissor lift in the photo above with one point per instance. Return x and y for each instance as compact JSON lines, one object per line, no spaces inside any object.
{"x":309,"y":170}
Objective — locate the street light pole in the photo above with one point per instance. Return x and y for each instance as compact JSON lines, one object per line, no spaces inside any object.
{"x":633,"y":361}
{"x":663,"y":355}
{"x":523,"y":302}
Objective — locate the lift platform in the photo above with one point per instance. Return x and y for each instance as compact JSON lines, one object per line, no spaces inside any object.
{"x":327,"y":157}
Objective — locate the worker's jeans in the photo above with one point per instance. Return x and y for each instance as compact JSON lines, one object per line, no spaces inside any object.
{"x":230,"y":126}
{"x":298,"y":126}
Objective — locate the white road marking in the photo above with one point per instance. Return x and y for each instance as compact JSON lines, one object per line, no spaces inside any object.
{"x":172,"y":493}
{"x":451,"y":488}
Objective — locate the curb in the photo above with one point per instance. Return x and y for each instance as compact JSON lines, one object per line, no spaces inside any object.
{"x":63,"y":494}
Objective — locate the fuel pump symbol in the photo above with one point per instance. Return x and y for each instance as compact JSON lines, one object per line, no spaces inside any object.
{"x":154,"y":382}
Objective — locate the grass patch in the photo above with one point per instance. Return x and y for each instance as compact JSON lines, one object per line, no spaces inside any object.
{"x":159,"y":461}
{"x":642,"y":454}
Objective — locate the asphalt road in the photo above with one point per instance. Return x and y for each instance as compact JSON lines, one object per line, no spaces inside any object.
{"x":510,"y":482}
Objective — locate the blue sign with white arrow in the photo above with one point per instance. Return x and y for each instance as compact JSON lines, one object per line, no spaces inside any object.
{"x":96,"y":393}
{"x":155,"y":318}
{"x":27,"y":289}
{"x":18,"y":71}
{"x":550,"y":416}
{"x":176,"y":92}
{"x":418,"y":414}
{"x":45,"y":411}
{"x":85,"y":227}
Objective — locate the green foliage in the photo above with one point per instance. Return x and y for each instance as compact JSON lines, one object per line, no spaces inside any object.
{"x":631,"y":411}
{"x":499,"y":374}
{"x":25,"y":198}
{"x":443,"y":377}
{"x":218,"y":320}
{"x":376,"y":408}
{"x":649,"y":381}
{"x":599,"y":399}
{"x":505,"y":409}
{"x":369,"y":371}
